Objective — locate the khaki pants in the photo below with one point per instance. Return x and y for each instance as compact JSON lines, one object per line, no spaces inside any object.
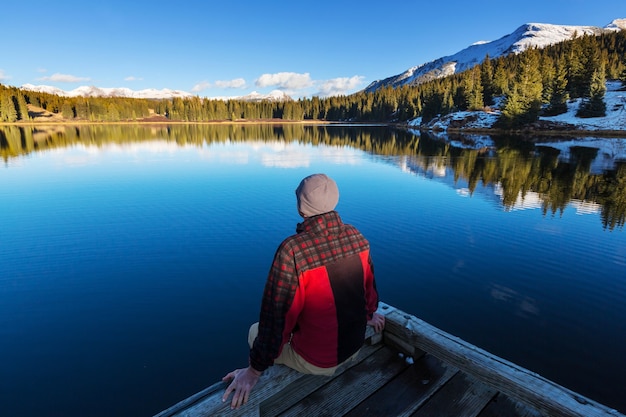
{"x":290,"y":358}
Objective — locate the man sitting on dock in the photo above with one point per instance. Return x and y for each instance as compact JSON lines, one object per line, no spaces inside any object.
{"x":319,"y":296}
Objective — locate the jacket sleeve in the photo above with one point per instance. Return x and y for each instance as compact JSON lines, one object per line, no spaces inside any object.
{"x":371,"y":293}
{"x":278,"y":295}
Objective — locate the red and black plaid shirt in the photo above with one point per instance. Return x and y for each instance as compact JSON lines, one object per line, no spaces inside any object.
{"x":319,"y":294}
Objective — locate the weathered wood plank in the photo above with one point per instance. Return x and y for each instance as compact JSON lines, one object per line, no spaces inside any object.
{"x":402,"y":345}
{"x":502,"y":405}
{"x":349,"y":389}
{"x":514,"y":381}
{"x":463,"y":396}
{"x":188,"y":402}
{"x":273,"y":380}
{"x":406,"y":393}
{"x":294,"y":392}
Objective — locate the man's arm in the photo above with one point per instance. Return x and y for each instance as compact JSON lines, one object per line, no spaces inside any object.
{"x":371,"y":293}
{"x":276,"y":319}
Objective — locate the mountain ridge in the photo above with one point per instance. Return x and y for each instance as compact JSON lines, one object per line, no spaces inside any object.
{"x":150,"y":93}
{"x":528,"y":35}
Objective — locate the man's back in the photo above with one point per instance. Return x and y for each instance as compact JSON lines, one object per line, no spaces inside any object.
{"x":335,"y":289}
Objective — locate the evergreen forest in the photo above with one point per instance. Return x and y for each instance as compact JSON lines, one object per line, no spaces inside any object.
{"x":526,"y":85}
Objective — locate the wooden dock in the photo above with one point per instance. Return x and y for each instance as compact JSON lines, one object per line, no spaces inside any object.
{"x":412,"y":369}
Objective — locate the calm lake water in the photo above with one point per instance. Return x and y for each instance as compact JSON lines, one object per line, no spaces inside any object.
{"x":133,"y":258}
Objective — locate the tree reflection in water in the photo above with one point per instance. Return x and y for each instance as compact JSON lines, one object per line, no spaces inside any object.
{"x":515,"y":165}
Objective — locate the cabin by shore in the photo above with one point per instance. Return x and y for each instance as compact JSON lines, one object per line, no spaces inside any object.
{"x":411,"y":369}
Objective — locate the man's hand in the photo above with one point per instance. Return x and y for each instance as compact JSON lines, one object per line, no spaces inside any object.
{"x":243,"y":382}
{"x":377,"y":322}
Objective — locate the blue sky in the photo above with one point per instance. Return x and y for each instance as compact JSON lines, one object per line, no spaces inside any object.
{"x":229,"y":49}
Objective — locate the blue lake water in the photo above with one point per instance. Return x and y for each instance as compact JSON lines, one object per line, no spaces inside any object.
{"x":133,"y":258}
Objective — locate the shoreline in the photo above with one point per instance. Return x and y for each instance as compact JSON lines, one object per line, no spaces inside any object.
{"x":161,"y":122}
{"x":538,"y":132}
{"x":573,"y":131}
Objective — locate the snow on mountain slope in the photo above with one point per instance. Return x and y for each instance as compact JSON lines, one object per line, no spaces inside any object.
{"x":529,"y":35}
{"x":91,"y":91}
{"x":151,"y":93}
{"x":274,"y":95}
{"x":614,"y":120}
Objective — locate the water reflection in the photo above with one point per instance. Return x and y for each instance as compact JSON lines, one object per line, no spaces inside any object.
{"x":550,"y":174}
{"x":522,"y":305}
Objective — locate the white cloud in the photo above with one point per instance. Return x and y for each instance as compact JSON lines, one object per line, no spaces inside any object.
{"x":236,"y":83}
{"x":131,"y":78}
{"x":338,"y":86}
{"x":3,"y":76}
{"x":285,"y":81}
{"x":202,"y":85}
{"x":64,"y":78}
{"x":293,"y":83}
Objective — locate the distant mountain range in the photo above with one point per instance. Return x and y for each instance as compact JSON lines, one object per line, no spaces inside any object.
{"x":526,"y":36}
{"x":151,"y":93}
{"x":91,"y":91}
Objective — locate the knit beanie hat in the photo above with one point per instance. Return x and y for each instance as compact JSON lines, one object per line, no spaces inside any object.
{"x":317,"y":194}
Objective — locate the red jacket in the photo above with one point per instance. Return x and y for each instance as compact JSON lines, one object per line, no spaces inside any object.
{"x":319,"y":294}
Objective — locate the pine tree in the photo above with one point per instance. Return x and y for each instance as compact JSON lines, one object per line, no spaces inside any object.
{"x":513,"y":110}
{"x":21,"y":107}
{"x":500,"y":79}
{"x":486,"y":78}
{"x":473,"y":90}
{"x":595,"y":106}
{"x":559,"y":95}
{"x":82,"y":109}
{"x":523,"y":103}
{"x":448,"y":103}
{"x":7,"y":107}
{"x":575,"y":69}
{"x":547,"y":71}
{"x":622,"y":76}
{"x":431,"y":107}
{"x":66,"y":110}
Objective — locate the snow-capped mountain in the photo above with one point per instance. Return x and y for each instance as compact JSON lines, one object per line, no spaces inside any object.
{"x":529,"y":35}
{"x":92,"y":91}
{"x":274,"y":95}
{"x":151,"y":93}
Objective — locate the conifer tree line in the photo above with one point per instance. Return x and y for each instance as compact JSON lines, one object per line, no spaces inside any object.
{"x":533,"y":83}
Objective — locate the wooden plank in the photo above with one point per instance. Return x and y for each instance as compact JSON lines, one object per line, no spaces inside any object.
{"x":272,"y":380}
{"x":294,"y":392}
{"x":402,"y":345}
{"x":188,"y":402}
{"x":502,"y":405}
{"x":514,"y":381}
{"x":349,"y":389}
{"x":406,"y":393}
{"x":463,"y":396}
